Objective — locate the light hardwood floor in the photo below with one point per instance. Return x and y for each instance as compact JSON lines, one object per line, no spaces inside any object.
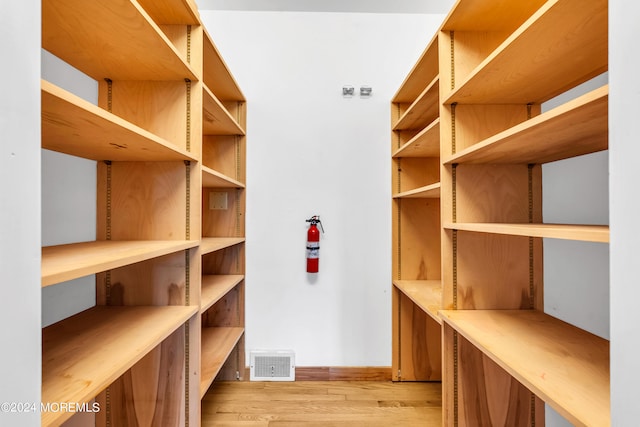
{"x":322,"y":404}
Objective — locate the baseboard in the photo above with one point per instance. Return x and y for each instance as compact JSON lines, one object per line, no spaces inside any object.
{"x":340,"y":373}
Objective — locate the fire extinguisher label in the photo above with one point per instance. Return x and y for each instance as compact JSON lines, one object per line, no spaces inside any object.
{"x":313,"y":250}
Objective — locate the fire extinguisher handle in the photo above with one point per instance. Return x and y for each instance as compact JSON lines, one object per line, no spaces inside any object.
{"x":316,"y":220}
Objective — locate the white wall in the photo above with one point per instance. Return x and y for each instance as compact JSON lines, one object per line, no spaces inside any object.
{"x":624,"y":127}
{"x":20,"y":358}
{"x":311,"y":151}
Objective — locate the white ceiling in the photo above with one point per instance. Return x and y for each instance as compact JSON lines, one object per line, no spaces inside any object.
{"x":361,"y":6}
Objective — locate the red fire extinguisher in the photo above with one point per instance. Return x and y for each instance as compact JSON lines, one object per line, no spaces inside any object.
{"x":313,"y":244}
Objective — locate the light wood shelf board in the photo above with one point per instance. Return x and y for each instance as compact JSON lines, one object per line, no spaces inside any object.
{"x":170,"y":12}
{"x":572,"y":129}
{"x":424,"y":109}
{"x":539,"y":61}
{"x":565,"y":366}
{"x":215,"y":179}
{"x":212,"y":244}
{"x":216,"y":120}
{"x":66,"y":262}
{"x":426,"y":294}
{"x":85,"y":353}
{"x":74,"y":126}
{"x":217,"y":345}
{"x":428,"y":192}
{"x":587,"y":233}
{"x":425,"y":69}
{"x":215,"y":287}
{"x":131,"y":46}
{"x":216,"y":73}
{"x":491,"y":15}
{"x":425,"y":144}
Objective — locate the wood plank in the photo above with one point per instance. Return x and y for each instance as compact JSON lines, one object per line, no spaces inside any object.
{"x":427,"y":192}
{"x":489,"y":15}
{"x":172,"y":11}
{"x":215,"y":179}
{"x":74,"y":126}
{"x":130,"y":45}
{"x":65,"y":262}
{"x":424,"y":109}
{"x":343,"y":373}
{"x":539,"y":61}
{"x":212,"y":244}
{"x":587,"y":233}
{"x":216,"y":74}
{"x":76,"y":366}
{"x":565,"y":366}
{"x":217,"y":344}
{"x":418,"y":233}
{"x":214,"y":287}
{"x":425,"y":144}
{"x":425,"y":70}
{"x":572,"y":129}
{"x":216,"y":119}
{"x":426,"y":294}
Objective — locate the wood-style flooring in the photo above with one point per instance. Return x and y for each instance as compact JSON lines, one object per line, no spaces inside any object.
{"x":322,"y":404}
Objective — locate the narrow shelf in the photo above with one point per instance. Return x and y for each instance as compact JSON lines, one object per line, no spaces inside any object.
{"x":426,"y":294}
{"x":184,"y":12}
{"x":74,"y":126}
{"x":216,"y":74}
{"x":425,"y":69}
{"x":425,"y":144}
{"x":565,"y":366}
{"x":85,"y":353}
{"x":490,"y":15}
{"x":572,"y":129}
{"x":66,"y":262}
{"x":107,"y":40}
{"x":214,"y":179}
{"x":586,"y":233}
{"x":215,"y":287}
{"x":424,"y":110}
{"x":217,"y":345}
{"x":212,"y":244}
{"x":216,"y":120}
{"x":428,"y":192}
{"x":561,"y":45}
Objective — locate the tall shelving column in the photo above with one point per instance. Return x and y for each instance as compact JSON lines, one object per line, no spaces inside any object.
{"x":415,"y":158}
{"x":503,"y":355}
{"x":135,"y":352}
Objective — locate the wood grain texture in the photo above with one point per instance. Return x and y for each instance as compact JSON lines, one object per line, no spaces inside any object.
{"x":586,"y":233}
{"x":214,"y":179}
{"x":333,"y":403}
{"x":215,"y":287}
{"x":427,"y":192}
{"x":212,"y":244}
{"x":216,"y":74}
{"x":217,"y":345}
{"x":419,"y":239}
{"x":129,"y":49}
{"x":221,"y":153}
{"x":495,"y":15}
{"x":171,"y":11}
{"x":413,"y":172}
{"x":216,"y":119}
{"x":426,"y":294}
{"x":565,"y":366}
{"x":422,"y":111}
{"x":224,"y":222}
{"x":76,"y":366}
{"x":425,"y":143}
{"x":423,"y":72}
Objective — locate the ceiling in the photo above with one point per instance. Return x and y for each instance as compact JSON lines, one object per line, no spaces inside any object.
{"x":359,"y":6}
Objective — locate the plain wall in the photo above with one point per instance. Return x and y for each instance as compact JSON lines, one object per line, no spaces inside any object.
{"x":313,"y":152}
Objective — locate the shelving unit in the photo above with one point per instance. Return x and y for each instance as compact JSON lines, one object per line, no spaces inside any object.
{"x":415,"y":157}
{"x":168,"y":129}
{"x":503,"y":357}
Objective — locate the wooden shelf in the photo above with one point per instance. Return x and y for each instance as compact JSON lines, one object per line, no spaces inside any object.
{"x":66,"y":262}
{"x":587,"y":233}
{"x":560,"y":46}
{"x":217,"y":345}
{"x":426,"y":69}
{"x":565,"y":366}
{"x":575,"y":128}
{"x":85,"y":353}
{"x":426,"y":294}
{"x":216,"y":74}
{"x":489,"y":15}
{"x":183,"y":12}
{"x":216,"y":120}
{"x":74,"y":126}
{"x":212,"y":244}
{"x":214,"y":179}
{"x":107,"y":40}
{"x":425,"y":144}
{"x":424,"y":110}
{"x":428,"y":192}
{"x":215,"y":287}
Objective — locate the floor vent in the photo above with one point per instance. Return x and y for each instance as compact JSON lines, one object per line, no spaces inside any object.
{"x":272,"y":365}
